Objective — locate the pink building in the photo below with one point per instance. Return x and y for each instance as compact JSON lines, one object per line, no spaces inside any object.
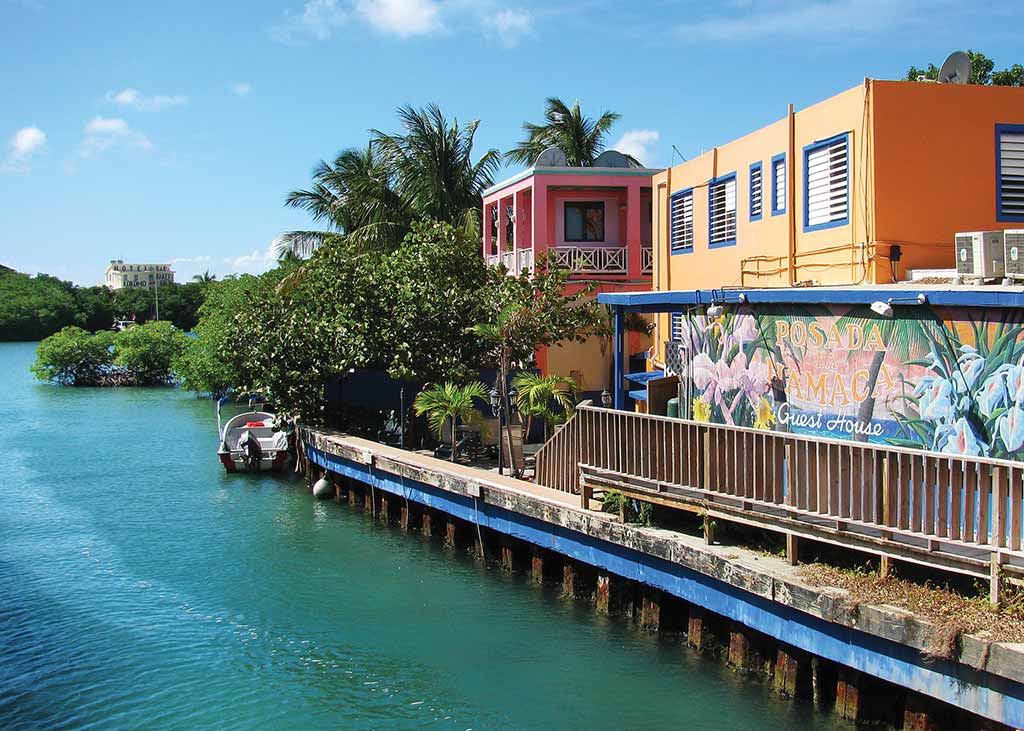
{"x":594,"y":221}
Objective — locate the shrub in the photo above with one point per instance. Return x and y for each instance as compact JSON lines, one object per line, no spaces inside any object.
{"x":74,"y":357}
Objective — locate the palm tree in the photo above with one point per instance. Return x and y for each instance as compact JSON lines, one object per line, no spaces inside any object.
{"x":371,"y":196}
{"x":581,"y":138}
{"x":552,"y":398}
{"x":449,"y":404}
{"x":204,"y":278}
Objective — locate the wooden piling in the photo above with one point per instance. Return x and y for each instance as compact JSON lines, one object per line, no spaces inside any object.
{"x":650,"y":610}
{"x":848,"y":694}
{"x":698,"y":635}
{"x":508,"y":555}
{"x":791,"y":672}
{"x":427,"y":523}
{"x":602,"y":594}
{"x":744,"y":654}
{"x":918,"y":714}
{"x":537,"y":565}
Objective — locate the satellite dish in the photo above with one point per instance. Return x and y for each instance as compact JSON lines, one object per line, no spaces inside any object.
{"x":956,"y":69}
{"x":612,"y":159}
{"x":553,"y":157}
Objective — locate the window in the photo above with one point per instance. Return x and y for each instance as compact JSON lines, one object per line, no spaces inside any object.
{"x":584,"y":221}
{"x":722,"y":211}
{"x":827,"y":183}
{"x":675,"y":329}
{"x":755,"y":191}
{"x":681,"y":223}
{"x":779,"y":184}
{"x":1010,"y":172}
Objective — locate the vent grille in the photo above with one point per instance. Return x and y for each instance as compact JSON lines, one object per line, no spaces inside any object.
{"x":1011,"y":173}
{"x":1014,"y":242}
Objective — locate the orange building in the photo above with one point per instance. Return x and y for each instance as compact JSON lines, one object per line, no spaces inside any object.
{"x":856,"y":189}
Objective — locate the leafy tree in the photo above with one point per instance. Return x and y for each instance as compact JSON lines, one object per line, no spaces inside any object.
{"x":527,"y":312}
{"x":551,"y":398}
{"x":449,"y":404}
{"x":580,"y":137}
{"x":982,"y":72}
{"x":145,"y":352}
{"x":204,"y":278}
{"x":371,"y":196}
{"x":32,"y":308}
{"x":74,"y":357}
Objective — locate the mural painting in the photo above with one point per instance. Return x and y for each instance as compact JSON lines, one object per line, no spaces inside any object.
{"x":930,"y":378}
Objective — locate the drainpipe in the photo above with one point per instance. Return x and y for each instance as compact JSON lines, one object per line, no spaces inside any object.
{"x":791,"y":167}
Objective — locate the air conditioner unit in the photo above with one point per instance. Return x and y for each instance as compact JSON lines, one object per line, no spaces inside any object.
{"x":1013,"y":244}
{"x":979,"y":255}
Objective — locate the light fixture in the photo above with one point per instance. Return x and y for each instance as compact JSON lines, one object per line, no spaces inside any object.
{"x":882,"y":308}
{"x":606,"y":399}
{"x":714,"y":311}
{"x":885,"y":308}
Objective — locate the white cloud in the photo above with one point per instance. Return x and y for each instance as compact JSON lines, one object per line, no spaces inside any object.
{"x":23,"y":144}
{"x":317,"y":21}
{"x":191,"y":259}
{"x":403,"y":18}
{"x":792,"y":18}
{"x":102,"y":133}
{"x":241,"y":88}
{"x":253,"y":263}
{"x":507,"y":25}
{"x":132,"y":99}
{"x":636,"y":142}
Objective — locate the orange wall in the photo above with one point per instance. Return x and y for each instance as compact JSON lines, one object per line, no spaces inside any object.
{"x":935,"y":167}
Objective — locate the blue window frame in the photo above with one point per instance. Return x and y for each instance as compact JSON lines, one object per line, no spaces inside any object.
{"x":779,"y":183}
{"x":827,"y":183}
{"x":1010,"y":172}
{"x":675,"y":328}
{"x":681,"y":222}
{"x":756,"y":191}
{"x":722,"y":211}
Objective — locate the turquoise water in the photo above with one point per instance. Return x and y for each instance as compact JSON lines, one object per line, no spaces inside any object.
{"x":142,"y":588}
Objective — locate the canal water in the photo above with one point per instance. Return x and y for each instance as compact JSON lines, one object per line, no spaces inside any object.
{"x":142,"y":588}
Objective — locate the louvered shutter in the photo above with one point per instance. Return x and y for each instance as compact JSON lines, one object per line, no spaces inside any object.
{"x":676,"y":327}
{"x":682,"y":222}
{"x":1011,"y":173}
{"x":828,"y":183}
{"x":722,"y":208}
{"x":755,"y":191}
{"x":779,"y":181}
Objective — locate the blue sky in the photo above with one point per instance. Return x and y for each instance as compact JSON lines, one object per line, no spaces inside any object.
{"x":173,"y":131}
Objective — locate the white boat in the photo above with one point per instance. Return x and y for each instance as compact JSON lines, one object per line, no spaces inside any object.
{"x":249,"y":442}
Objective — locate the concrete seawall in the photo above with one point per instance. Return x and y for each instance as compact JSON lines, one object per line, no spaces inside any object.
{"x":774,"y":620}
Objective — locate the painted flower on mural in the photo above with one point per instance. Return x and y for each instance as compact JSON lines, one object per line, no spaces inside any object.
{"x":765,"y":415}
{"x":729,"y":376}
{"x":972,"y":401}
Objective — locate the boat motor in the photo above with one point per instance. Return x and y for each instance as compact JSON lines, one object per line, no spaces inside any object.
{"x":250,"y":446}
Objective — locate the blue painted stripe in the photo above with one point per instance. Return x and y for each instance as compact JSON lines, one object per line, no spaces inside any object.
{"x":669,"y":301}
{"x":981,"y":693}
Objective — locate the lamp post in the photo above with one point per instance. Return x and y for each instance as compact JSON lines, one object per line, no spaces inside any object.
{"x":496,"y":407}
{"x":401,"y":408}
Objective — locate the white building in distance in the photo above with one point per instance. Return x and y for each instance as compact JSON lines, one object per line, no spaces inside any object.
{"x":149,"y":276}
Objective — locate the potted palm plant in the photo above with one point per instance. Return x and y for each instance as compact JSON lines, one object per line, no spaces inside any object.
{"x":551,"y":398}
{"x":449,"y":404}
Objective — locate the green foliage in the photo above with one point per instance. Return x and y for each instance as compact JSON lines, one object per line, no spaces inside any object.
{"x":982,"y":72}
{"x":371,"y":196}
{"x":74,"y":357}
{"x":32,"y":308}
{"x":581,"y":138}
{"x":146,"y":352}
{"x":551,"y":398}
{"x":632,"y":511}
{"x":449,"y":404}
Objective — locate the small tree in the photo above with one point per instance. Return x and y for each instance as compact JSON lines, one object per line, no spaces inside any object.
{"x":146,"y":352}
{"x":551,"y":398}
{"x":74,"y":357}
{"x":449,"y":404}
{"x":982,"y":72}
{"x":528,"y":312}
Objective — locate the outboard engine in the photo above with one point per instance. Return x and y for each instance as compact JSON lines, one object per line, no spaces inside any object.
{"x":250,"y":447}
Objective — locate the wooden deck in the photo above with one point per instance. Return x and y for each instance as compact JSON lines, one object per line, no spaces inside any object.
{"x":955,"y":513}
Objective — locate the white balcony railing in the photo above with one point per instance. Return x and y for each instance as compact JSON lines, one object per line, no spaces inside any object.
{"x":492,"y":260}
{"x":515,"y":261}
{"x":591,"y":259}
{"x":647,"y":260}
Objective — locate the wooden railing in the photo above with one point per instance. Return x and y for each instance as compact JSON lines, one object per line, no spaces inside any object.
{"x":591,"y":259}
{"x":647,"y":260}
{"x":958,"y":513}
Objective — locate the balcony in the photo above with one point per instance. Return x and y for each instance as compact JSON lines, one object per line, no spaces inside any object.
{"x":515,"y":261}
{"x":591,"y":259}
{"x":647,"y":260}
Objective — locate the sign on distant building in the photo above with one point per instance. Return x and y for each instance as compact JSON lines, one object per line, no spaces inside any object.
{"x":119,"y":275}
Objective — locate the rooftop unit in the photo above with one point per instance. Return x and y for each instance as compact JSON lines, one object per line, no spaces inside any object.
{"x":980,"y":255}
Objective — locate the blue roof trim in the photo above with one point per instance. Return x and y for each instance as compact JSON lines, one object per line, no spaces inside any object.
{"x":677,"y":301}
{"x":1000,"y":216}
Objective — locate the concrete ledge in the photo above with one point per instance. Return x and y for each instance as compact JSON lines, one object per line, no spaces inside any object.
{"x":761,"y":592}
